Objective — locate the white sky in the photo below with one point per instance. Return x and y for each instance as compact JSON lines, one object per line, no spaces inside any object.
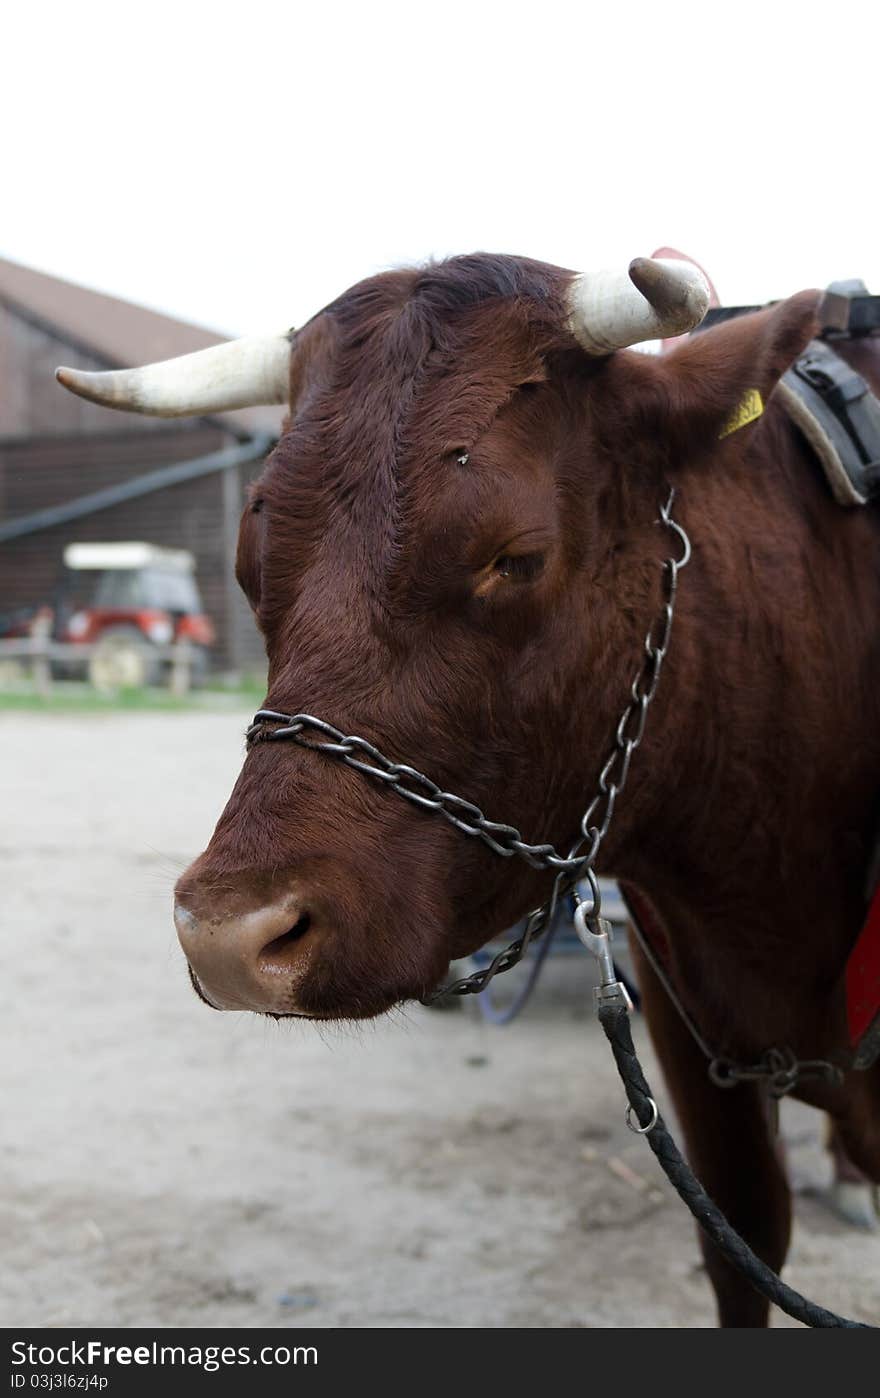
{"x":239,"y":164}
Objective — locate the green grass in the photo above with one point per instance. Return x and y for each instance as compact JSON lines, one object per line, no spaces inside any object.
{"x":79,"y":698}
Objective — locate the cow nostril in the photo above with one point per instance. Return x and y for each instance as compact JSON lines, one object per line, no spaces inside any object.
{"x":279,"y":952}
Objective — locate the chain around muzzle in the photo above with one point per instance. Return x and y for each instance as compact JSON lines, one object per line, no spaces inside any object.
{"x":505,"y":840}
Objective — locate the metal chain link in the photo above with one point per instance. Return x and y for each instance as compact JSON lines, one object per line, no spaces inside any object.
{"x":780,"y":1069}
{"x":506,"y":840}
{"x":414,"y":786}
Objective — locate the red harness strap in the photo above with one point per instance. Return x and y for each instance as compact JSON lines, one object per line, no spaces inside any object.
{"x":863,"y":989}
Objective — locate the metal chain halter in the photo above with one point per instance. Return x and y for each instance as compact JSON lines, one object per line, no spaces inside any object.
{"x":506,"y":840}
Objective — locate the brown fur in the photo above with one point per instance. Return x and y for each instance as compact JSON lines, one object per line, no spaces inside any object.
{"x":752,"y":802}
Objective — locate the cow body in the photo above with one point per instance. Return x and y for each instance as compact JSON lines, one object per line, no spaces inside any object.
{"x":758,"y":870}
{"x":454,"y":553}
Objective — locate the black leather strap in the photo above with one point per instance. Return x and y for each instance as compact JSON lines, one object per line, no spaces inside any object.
{"x":846,"y":312}
{"x":847,"y":409}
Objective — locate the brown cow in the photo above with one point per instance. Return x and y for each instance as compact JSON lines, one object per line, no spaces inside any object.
{"x":453,"y":552}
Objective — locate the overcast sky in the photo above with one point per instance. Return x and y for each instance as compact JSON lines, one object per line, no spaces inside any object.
{"x":240,"y":164}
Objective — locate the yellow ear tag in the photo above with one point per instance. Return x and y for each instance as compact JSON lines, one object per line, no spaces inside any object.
{"x":750,"y":408}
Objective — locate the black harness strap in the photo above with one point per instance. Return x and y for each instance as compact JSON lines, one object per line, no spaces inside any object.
{"x":847,"y":410}
{"x":847,"y":312}
{"x":614,"y":1019}
{"x":828,"y":400}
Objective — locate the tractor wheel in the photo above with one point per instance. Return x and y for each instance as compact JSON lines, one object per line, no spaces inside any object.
{"x":122,"y":658}
{"x":200,"y":667}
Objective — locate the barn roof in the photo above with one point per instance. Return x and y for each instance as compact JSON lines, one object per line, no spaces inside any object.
{"x":118,"y":332}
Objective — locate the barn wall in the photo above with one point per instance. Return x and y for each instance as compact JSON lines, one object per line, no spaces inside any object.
{"x":37,"y":472}
{"x":31,"y":402}
{"x":49,"y":471}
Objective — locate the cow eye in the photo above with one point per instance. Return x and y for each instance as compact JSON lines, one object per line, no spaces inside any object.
{"x":521,"y":567}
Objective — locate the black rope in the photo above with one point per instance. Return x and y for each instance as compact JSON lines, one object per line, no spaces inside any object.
{"x":615,"y":1021}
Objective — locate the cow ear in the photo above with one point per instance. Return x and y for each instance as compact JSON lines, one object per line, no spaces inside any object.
{"x":718,"y":381}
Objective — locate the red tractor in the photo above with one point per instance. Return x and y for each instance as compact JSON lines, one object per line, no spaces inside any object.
{"x":128,"y":603}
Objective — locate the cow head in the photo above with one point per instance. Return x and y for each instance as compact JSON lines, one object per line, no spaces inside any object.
{"x":452,"y":553}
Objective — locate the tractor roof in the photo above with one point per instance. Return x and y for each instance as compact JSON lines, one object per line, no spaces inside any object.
{"x":133,"y":555}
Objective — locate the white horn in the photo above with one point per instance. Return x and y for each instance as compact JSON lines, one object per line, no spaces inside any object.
{"x":655,"y":298}
{"x":240,"y":374}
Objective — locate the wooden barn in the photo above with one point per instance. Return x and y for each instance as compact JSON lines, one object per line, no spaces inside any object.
{"x":71,"y":471}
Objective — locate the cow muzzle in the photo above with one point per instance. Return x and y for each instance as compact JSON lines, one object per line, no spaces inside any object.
{"x":251,"y":960}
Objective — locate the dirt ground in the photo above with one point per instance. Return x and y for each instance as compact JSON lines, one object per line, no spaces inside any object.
{"x":163,"y":1165}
